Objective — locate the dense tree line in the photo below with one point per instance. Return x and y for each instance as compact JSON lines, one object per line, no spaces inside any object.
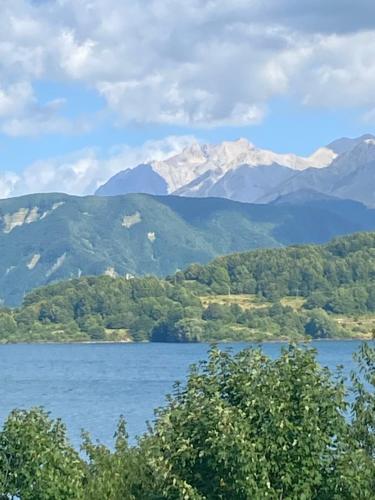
{"x":295,"y":270}
{"x":244,"y":427}
{"x":353,"y":299}
{"x":332,"y":279}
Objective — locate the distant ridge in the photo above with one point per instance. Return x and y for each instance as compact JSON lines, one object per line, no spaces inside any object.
{"x":138,"y":180}
{"x":240,"y":171}
{"x":303,"y":196}
{"x":49,"y":237}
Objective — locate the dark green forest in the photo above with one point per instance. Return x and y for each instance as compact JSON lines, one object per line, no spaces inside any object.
{"x":46,"y":238}
{"x":299,"y":292}
{"x":244,"y":427}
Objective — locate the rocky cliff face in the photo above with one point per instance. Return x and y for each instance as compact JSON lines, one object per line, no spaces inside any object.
{"x":240,"y":171}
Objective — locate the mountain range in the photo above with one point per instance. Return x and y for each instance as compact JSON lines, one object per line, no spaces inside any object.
{"x":239,"y":171}
{"x":49,"y":237}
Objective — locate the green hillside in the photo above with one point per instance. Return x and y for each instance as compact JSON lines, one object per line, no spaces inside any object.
{"x":51,"y":237}
{"x":290,"y":293}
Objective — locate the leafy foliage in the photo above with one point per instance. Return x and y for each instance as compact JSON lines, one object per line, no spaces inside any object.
{"x":243,"y":427}
{"x":301,"y":271}
{"x":251,"y":427}
{"x":36,"y":460}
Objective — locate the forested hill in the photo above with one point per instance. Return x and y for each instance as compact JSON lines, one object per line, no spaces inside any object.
{"x":293,"y":293}
{"x":291,"y":271}
{"x":50,"y":237}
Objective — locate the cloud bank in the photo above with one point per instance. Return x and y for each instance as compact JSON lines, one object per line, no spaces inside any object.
{"x":196,"y":63}
{"x":82,"y":172}
{"x":201,"y":62}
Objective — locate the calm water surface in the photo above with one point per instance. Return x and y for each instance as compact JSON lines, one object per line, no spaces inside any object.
{"x":91,"y":385}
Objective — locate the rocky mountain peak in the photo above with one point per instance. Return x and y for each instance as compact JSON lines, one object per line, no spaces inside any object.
{"x":239,"y":170}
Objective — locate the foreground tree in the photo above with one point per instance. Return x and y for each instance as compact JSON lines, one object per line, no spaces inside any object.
{"x":248,"y":427}
{"x":245,"y":427}
{"x":119,"y":474}
{"x":36,"y":460}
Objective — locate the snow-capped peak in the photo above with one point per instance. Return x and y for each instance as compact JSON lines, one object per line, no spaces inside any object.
{"x":196,"y":159}
{"x":240,"y":171}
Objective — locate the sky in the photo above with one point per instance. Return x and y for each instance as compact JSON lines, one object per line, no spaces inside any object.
{"x":90,"y":87}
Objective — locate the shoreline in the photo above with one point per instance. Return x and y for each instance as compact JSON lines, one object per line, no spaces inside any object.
{"x":213,"y":342}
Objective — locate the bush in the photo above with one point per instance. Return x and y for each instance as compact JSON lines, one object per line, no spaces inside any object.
{"x":250,"y":427}
{"x":320,"y":325}
{"x":36,"y":460}
{"x":244,"y":427}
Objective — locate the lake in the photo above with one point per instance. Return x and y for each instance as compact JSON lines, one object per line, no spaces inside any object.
{"x":91,"y":385}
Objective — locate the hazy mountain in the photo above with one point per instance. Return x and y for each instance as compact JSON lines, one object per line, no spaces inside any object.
{"x":244,"y":183}
{"x":239,"y":171}
{"x":199,"y":167}
{"x":45,"y":238}
{"x":350,"y":176}
{"x":345,"y":144}
{"x":305,"y":196}
{"x":141,"y":179}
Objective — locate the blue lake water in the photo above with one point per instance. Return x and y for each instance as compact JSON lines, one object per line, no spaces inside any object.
{"x":91,"y":385}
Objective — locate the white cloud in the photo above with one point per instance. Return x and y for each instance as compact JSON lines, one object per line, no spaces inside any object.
{"x":76,"y":58}
{"x":22,"y":115}
{"x":200,"y":62}
{"x":15,"y":98}
{"x":84,"y":171}
{"x":8,"y":183}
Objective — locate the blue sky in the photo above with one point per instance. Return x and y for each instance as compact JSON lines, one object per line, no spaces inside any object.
{"x":91,"y":86}
{"x":287,"y":127}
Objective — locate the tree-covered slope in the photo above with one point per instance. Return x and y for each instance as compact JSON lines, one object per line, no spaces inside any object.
{"x":287,"y":293}
{"x":295,"y":270}
{"x":50,"y":237}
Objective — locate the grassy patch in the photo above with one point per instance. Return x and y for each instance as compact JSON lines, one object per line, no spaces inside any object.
{"x":244,"y":301}
{"x":118,"y":335}
{"x":362,"y":326}
{"x":295,"y":303}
